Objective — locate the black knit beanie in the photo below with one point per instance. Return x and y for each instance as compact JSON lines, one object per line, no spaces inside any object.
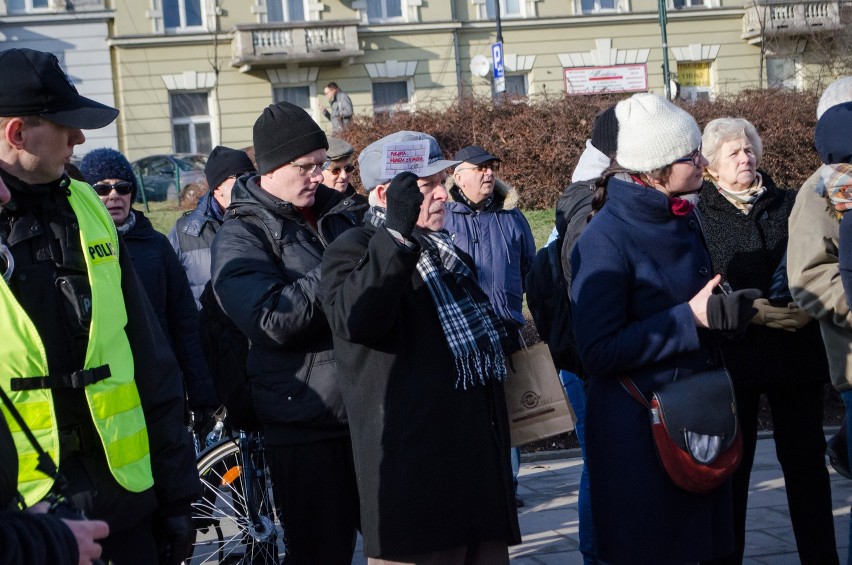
{"x":285,"y":132}
{"x":605,"y":132}
{"x":225,"y":162}
{"x":105,"y":163}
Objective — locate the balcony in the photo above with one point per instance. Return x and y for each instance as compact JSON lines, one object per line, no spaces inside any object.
{"x":773,"y":19}
{"x":279,"y":43}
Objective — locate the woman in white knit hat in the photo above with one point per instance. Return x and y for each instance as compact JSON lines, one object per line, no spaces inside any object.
{"x":642,"y":286}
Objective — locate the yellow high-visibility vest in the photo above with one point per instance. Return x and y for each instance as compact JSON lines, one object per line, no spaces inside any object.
{"x":114,"y":401}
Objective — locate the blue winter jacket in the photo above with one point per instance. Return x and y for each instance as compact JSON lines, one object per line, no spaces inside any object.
{"x":500,"y":241}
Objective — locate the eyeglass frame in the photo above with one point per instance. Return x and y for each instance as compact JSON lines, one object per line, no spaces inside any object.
{"x":349,"y":168}
{"x":695,"y":157}
{"x":316,"y":169}
{"x":122,"y":188}
{"x":482,"y":167}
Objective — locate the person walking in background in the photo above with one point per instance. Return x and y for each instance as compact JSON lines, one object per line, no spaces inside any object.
{"x":79,"y":336}
{"x":159,"y":270}
{"x":484,"y":221}
{"x":744,"y":220}
{"x":421,"y":370}
{"x":192,"y":234}
{"x":266,"y":276}
{"x":642,"y":307}
{"x":812,"y":267}
{"x":341,"y":110}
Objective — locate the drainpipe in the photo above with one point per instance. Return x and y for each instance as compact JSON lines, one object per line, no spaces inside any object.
{"x":456,"y":51}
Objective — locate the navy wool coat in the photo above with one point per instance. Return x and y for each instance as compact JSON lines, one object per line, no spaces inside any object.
{"x":635,"y":268}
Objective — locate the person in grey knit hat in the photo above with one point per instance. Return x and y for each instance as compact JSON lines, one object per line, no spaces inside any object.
{"x":266,"y":276}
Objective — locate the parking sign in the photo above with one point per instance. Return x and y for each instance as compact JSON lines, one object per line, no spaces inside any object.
{"x":499,"y":76}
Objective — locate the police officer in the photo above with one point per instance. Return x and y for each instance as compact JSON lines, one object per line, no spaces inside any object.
{"x":82,"y":355}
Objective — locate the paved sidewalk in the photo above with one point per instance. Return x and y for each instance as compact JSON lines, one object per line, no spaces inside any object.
{"x":549,"y":519}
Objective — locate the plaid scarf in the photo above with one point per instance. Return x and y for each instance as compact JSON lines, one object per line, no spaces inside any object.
{"x":472,"y":329}
{"x":835,"y":184}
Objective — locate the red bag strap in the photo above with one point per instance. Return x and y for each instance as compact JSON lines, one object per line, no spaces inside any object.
{"x":634,"y":391}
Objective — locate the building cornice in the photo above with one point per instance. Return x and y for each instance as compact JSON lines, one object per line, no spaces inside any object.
{"x":170,"y":40}
{"x":54,"y":18}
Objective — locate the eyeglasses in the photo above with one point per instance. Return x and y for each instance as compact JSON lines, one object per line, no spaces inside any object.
{"x":122,"y":187}
{"x":482,"y":167}
{"x":336,"y":170}
{"x":695,"y":157}
{"x":310,"y":168}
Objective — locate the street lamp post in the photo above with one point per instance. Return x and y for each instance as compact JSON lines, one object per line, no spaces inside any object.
{"x":661,"y":8}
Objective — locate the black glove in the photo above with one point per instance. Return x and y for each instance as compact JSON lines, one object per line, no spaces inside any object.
{"x":731,"y":312}
{"x":175,"y":538}
{"x":404,"y":199}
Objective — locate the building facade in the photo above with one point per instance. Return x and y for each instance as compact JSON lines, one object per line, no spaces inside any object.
{"x":190,"y":74}
{"x":78,"y":37}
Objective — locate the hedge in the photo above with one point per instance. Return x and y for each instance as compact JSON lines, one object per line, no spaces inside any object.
{"x":541,"y":140}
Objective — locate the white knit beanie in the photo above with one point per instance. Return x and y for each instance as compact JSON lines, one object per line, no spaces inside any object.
{"x":653,"y":132}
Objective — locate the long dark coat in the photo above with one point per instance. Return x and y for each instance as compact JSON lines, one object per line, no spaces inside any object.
{"x":747,"y":250}
{"x":634,"y":270}
{"x":432,"y":461}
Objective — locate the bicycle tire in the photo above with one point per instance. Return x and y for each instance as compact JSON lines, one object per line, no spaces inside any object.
{"x":224,"y":531}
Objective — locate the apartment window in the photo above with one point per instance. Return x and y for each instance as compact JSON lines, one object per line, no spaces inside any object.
{"x":181,"y":14}
{"x":783,"y":72}
{"x":298,"y":95}
{"x":679,"y":4}
{"x":384,"y":10}
{"x":598,"y":6}
{"x":516,"y":85}
{"x":390,"y":96}
{"x":191,"y":122}
{"x":286,"y":11}
{"x":508,"y":9}
{"x":695,"y":79}
{"x":24,"y":6}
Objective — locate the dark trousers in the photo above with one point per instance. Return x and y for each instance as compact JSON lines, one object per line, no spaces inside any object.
{"x":797,"y":411}
{"x":317,"y":497}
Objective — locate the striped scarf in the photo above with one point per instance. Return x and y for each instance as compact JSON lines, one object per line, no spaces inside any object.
{"x":472,"y":329}
{"x":835,"y":184}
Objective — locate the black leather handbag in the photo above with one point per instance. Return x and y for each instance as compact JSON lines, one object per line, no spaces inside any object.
{"x":695,"y":428}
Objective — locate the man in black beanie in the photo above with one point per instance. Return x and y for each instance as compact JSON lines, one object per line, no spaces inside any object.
{"x":266,"y":273}
{"x":192,"y":234}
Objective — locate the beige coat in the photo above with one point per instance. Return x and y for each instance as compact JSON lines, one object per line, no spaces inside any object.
{"x":814,"y":278}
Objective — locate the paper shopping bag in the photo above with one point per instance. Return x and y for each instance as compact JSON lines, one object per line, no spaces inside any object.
{"x":535,"y":400}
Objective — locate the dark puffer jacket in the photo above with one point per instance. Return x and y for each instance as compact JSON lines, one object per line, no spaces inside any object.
{"x":747,"y":250}
{"x":168,"y":290}
{"x":266,"y":268}
{"x":191,"y":238}
{"x":499,"y":239}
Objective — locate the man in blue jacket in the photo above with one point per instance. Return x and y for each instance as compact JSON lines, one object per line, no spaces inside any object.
{"x":483,"y":219}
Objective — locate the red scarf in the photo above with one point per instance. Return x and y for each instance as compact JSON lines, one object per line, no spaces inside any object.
{"x":678,"y":206}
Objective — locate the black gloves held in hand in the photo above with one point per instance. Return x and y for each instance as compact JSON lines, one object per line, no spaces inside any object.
{"x":404,"y":199}
{"x":175,"y":538}
{"x":731,"y":312}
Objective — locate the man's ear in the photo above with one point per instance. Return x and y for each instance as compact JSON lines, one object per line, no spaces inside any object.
{"x":382,"y":194}
{"x":13,"y":133}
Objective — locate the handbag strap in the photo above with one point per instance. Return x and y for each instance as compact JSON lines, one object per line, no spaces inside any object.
{"x":634,"y":391}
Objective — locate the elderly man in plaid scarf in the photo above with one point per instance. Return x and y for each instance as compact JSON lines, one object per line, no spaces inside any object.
{"x":420,"y":358}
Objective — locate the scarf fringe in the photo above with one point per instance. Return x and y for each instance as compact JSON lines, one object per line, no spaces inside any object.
{"x":479,"y":366}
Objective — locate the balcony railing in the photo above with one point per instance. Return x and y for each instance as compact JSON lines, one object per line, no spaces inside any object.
{"x":771,"y":19}
{"x":273,"y":44}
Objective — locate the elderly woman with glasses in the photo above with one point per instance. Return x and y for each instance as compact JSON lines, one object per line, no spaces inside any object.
{"x":744,"y":218}
{"x":643,"y":308}
{"x":158,"y":267}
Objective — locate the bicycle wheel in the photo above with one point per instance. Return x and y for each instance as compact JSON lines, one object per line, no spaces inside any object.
{"x":233,"y":526}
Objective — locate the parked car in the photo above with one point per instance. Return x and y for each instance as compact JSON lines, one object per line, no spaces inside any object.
{"x":163,"y":177}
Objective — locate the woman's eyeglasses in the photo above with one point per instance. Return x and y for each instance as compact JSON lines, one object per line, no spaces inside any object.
{"x":122,"y":187}
{"x":336,"y":170}
{"x":695,"y":157}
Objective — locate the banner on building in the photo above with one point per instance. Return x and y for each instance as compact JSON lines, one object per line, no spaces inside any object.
{"x":611,"y":79}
